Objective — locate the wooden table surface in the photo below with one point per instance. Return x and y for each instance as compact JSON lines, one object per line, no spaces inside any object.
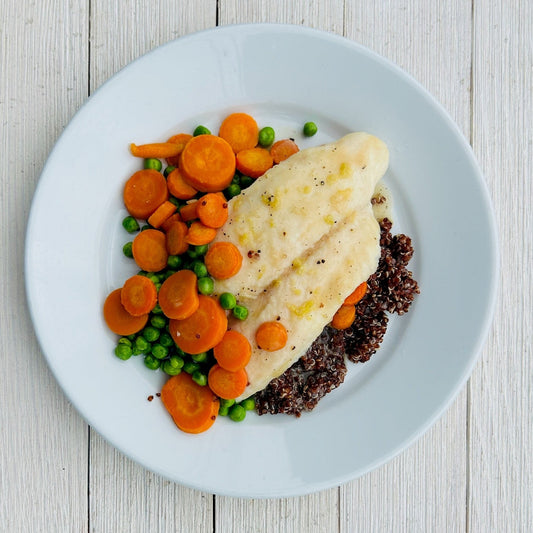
{"x":471,"y":472}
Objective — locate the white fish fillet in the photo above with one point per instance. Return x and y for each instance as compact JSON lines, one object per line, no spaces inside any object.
{"x":308,"y":237}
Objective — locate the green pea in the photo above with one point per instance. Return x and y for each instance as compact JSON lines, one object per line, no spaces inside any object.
{"x":158,"y":321}
{"x":146,"y":226}
{"x":232,"y":190}
{"x":150,"y":333}
{"x":130,"y":224}
{"x":153,"y":163}
{"x":142,"y":344}
{"x":237,"y":413}
{"x":201,"y":130}
{"x":245,"y":181}
{"x":199,"y":357}
{"x":166,"y":340}
{"x":206,"y":285}
{"x":199,"y":268}
{"x":176,"y":361}
{"x":201,"y":249}
{"x":159,"y":351}
{"x":236,"y":178}
{"x":136,"y":351}
{"x":248,"y":404}
{"x":240,"y":312}
{"x":151,"y":362}
{"x":169,"y":369}
{"x":168,"y":170}
{"x":157,"y":310}
{"x":226,"y":403}
{"x":309,"y":129}
{"x":191,"y":367}
{"x":123,"y":351}
{"x":223,"y":411}
{"x":174,"y":261}
{"x":227,"y":300}
{"x":127,"y":249}
{"x":199,"y":378}
{"x":266,"y":136}
{"x":124,"y":340}
{"x":174,"y":200}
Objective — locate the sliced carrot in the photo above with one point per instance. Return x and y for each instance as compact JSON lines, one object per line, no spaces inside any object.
{"x":201,"y":331}
{"x":175,"y":238}
{"x":199,"y":234}
{"x":178,"y":295}
{"x":181,"y":139}
{"x":283,"y":149}
{"x":150,"y":251}
{"x":193,"y":408}
{"x":144,"y":192}
{"x":138,"y":295}
{"x":233,"y":352}
{"x":271,"y":336}
{"x":254,"y":162}
{"x":188,"y":212}
{"x":167,"y":223}
{"x":226,"y":384}
{"x":240,"y":130}
{"x":357,"y":294}
{"x":344,"y":317}
{"x":118,"y":320}
{"x":223,"y":260}
{"x":164,"y":211}
{"x":208,"y":163}
{"x":155,"y":150}
{"x":178,"y":187}
{"x":212,"y":210}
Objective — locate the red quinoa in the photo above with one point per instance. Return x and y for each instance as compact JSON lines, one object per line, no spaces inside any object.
{"x":391,"y":289}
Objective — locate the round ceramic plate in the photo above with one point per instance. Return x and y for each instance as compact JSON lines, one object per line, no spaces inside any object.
{"x":284,"y":76}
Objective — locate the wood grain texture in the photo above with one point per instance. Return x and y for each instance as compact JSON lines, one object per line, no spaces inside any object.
{"x":123,"y":495}
{"x":501,"y":466}
{"x":43,"y":441}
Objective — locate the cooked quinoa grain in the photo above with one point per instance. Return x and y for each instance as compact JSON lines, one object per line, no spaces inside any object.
{"x":390,"y":289}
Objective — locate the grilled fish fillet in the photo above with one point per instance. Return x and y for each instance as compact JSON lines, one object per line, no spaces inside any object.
{"x":308,"y":237}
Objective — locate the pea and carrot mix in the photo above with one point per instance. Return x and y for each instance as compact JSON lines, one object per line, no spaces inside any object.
{"x":168,"y":312}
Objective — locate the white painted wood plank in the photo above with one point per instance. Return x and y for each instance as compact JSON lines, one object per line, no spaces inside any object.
{"x":43,"y":441}
{"x":501,"y":466}
{"x":424,"y":489}
{"x":123,"y":495}
{"x":317,"y":512}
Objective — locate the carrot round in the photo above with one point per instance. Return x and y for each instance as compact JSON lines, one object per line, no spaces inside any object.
{"x":226,"y":384}
{"x":199,"y":234}
{"x":144,"y":192}
{"x":240,"y":130}
{"x":357,"y":294}
{"x":193,"y":408}
{"x":233,"y":352}
{"x":150,"y":251}
{"x":175,"y":238}
{"x":178,"y":297}
{"x":118,"y":320}
{"x":254,"y":162}
{"x":181,"y":139}
{"x":138,"y":295}
{"x":212,"y":210}
{"x":155,"y":150}
{"x":271,"y":336}
{"x":188,"y":212}
{"x":223,"y":260}
{"x":178,"y":187}
{"x":170,"y":220}
{"x":201,"y":331}
{"x":344,"y":317}
{"x":208,"y":163}
{"x":283,"y":149}
{"x":164,"y":211}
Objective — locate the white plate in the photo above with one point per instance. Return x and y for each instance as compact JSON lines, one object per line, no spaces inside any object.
{"x":284,"y":76}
